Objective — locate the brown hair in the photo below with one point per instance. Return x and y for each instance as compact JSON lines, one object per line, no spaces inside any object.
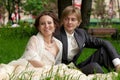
{"x":49,"y":13}
{"x":71,"y":10}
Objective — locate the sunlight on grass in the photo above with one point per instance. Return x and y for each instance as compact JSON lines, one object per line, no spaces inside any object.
{"x":11,"y":49}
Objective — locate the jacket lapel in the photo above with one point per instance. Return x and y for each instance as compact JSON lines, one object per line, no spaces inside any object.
{"x":80,"y":43}
{"x":79,"y":40}
{"x":65,"y":45}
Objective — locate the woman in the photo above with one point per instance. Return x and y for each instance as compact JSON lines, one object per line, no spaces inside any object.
{"x":43,"y":49}
{"x":42,"y":54}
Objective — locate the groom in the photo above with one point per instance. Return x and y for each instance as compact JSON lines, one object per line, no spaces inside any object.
{"x":75,"y":40}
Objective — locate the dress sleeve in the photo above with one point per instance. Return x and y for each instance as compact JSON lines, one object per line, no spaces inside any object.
{"x":59,"y":56}
{"x":31,"y":51}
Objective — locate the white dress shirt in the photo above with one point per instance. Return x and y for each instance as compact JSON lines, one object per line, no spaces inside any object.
{"x":73,"y":48}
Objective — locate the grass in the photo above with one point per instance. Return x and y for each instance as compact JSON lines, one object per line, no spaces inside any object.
{"x":11,"y":49}
{"x":56,"y":74}
{"x":13,"y":43}
{"x":51,"y":74}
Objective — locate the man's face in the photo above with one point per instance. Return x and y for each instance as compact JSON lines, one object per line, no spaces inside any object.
{"x":70,"y":23}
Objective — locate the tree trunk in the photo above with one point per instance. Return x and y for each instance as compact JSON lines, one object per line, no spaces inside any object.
{"x":118,"y":8}
{"x":85,"y":11}
{"x":62,"y":4}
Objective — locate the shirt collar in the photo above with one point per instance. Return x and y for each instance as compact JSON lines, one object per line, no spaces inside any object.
{"x":69,"y":35}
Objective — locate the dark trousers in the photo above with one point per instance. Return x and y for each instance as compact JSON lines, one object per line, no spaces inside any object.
{"x":95,"y":62}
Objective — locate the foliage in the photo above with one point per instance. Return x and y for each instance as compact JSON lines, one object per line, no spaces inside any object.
{"x":27,"y":6}
{"x":2,"y":7}
{"x":24,"y":30}
{"x":118,"y":7}
{"x":35,"y":6}
{"x":100,"y":12}
{"x":13,"y":41}
{"x":9,"y":6}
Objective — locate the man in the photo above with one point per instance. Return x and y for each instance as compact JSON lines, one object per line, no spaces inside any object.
{"x":75,"y":40}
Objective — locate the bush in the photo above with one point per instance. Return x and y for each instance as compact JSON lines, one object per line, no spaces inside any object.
{"x":19,"y":32}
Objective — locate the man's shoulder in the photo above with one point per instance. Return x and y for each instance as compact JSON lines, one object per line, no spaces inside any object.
{"x":57,"y":34}
{"x":80,"y":30}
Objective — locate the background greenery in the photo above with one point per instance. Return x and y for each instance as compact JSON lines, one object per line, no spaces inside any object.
{"x":13,"y":41}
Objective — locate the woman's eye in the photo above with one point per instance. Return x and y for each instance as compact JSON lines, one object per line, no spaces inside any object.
{"x":49,"y":22}
{"x":42,"y":23}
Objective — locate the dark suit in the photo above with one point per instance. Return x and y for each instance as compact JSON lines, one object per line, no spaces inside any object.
{"x":102,"y":57}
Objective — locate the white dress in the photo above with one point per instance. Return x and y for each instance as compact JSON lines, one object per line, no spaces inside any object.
{"x":35,"y":50}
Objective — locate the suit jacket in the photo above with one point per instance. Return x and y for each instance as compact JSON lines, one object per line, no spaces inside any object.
{"x":84,"y":40}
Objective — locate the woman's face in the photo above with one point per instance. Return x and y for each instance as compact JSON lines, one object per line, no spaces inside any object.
{"x":70,"y":23}
{"x":46,"y":25}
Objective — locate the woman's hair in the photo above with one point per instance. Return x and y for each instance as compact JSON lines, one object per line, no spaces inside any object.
{"x":49,"y":13}
{"x":70,"y":10}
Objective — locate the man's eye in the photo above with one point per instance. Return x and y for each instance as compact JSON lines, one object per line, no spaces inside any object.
{"x":66,"y":18}
{"x":73,"y":19}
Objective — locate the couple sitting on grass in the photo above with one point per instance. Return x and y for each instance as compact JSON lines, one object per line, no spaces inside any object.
{"x":58,"y":48}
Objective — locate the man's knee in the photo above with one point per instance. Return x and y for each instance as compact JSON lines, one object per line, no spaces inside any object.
{"x":92,"y":68}
{"x":96,"y":68}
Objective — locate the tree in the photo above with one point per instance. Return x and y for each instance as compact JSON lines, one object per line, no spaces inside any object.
{"x":61,"y":6}
{"x":34,"y":7}
{"x":2,"y":11}
{"x":85,"y":10}
{"x":101,"y":13}
{"x":118,"y":8}
{"x":9,"y":6}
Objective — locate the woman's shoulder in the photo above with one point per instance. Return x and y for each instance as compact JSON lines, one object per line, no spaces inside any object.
{"x":33,"y":38}
{"x":57,"y":41}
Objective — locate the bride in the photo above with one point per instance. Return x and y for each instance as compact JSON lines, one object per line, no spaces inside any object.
{"x":41,"y":53}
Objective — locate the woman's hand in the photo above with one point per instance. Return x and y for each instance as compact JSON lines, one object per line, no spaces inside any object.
{"x":36,"y":63}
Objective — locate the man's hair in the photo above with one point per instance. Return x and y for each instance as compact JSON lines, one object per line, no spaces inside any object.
{"x":70,"y":10}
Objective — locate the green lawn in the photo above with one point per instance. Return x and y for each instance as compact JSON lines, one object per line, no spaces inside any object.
{"x":13,"y":42}
{"x":11,"y":49}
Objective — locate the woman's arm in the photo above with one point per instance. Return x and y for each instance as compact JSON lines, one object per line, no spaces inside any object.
{"x":31,"y":52}
{"x":36,"y":63}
